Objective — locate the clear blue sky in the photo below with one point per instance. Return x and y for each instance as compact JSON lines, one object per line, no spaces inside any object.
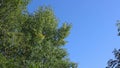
{"x":94,"y":33}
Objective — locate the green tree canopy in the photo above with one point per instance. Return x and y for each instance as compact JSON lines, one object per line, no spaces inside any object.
{"x":31,"y":40}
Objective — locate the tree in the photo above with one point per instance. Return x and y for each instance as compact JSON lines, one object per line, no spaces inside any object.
{"x":31,"y":40}
{"x":115,"y":63}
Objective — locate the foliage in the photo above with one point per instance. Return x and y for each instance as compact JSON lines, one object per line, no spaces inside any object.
{"x":31,"y":40}
{"x":115,"y":63}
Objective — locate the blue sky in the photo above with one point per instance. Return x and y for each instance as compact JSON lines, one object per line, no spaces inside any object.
{"x":94,"y":33}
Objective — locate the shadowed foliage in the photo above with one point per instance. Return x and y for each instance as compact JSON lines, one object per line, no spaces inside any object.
{"x":115,"y":63}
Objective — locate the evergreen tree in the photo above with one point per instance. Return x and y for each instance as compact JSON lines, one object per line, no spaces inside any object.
{"x":31,"y":40}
